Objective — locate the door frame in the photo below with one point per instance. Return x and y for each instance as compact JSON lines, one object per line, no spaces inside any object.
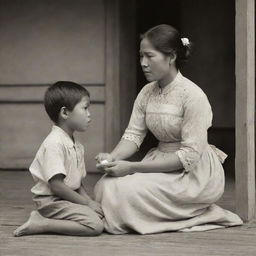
{"x":245,"y":109}
{"x":120,"y":67}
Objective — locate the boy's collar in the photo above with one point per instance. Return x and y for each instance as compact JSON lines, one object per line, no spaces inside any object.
{"x":66,"y":138}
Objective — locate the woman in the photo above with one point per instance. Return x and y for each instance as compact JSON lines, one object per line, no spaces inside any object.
{"x":176,"y":185}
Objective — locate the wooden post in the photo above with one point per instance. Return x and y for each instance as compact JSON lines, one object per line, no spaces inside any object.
{"x":128,"y":60}
{"x":120,"y":63}
{"x":112,"y":66}
{"x":245,"y":109}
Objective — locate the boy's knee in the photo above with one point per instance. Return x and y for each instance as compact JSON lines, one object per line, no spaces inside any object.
{"x":94,"y":227}
{"x":97,"y":226}
{"x":92,"y":220}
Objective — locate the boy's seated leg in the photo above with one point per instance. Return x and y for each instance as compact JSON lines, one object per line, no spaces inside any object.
{"x":62,"y":217}
{"x":37,"y":224}
{"x":65,"y":210}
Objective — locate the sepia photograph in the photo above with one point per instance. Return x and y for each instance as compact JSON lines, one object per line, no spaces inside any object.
{"x":127,"y":128}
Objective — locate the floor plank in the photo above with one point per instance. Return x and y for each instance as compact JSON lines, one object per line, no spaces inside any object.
{"x":16,"y":204}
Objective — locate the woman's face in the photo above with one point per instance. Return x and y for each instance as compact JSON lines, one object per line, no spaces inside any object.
{"x":155,"y":65}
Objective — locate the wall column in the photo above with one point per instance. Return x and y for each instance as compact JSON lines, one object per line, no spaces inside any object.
{"x":245,"y":109}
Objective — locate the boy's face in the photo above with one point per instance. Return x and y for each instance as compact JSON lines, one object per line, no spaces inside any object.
{"x":80,"y":117}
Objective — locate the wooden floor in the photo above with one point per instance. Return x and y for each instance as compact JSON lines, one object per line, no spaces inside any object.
{"x":16,"y":204}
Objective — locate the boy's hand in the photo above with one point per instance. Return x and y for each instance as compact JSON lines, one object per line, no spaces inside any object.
{"x":96,"y":207}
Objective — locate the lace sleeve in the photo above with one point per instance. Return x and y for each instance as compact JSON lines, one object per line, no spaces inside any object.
{"x":196,"y":121}
{"x":137,"y":129}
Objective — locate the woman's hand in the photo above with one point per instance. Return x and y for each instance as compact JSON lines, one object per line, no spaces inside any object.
{"x":96,"y":207}
{"x":103,"y":156}
{"x":119,"y":168}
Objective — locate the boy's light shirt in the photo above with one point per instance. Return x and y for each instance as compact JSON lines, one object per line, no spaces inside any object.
{"x":58,"y":154}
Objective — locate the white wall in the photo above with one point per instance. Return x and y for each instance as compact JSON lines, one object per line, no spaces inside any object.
{"x":44,"y":41}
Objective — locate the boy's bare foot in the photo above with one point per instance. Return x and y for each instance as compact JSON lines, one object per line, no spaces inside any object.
{"x":33,"y":225}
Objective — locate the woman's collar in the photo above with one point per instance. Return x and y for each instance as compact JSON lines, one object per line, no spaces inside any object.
{"x":171,"y":85}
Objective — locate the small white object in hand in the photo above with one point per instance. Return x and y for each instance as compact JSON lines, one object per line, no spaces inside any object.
{"x":104,"y":162}
{"x":185,"y":41}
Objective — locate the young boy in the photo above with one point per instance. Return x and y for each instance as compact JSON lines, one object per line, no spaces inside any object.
{"x":63,"y":205}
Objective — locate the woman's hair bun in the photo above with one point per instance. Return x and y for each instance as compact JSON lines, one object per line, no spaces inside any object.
{"x":185,"y":50}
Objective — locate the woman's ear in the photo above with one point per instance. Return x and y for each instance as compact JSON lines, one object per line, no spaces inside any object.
{"x":64,"y":113}
{"x":173,"y":57}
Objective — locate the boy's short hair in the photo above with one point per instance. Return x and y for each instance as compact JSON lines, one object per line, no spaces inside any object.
{"x":63,"y":94}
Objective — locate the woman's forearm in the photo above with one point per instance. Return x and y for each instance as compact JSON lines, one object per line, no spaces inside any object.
{"x":124,"y":150}
{"x":171,"y":164}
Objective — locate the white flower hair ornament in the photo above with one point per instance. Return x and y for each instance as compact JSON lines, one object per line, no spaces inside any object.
{"x":185,"y":41}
